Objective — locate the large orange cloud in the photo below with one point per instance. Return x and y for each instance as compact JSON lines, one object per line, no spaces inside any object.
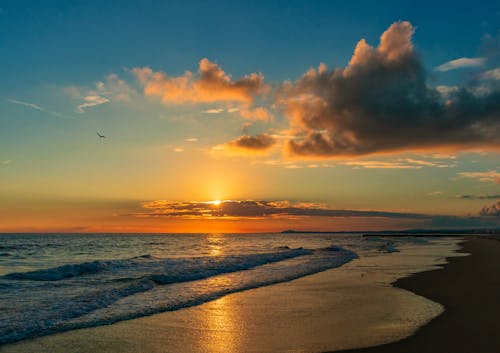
{"x":382,"y":103}
{"x":210,"y":84}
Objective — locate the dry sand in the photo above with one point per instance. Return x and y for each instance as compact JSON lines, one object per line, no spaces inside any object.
{"x":469,"y":289}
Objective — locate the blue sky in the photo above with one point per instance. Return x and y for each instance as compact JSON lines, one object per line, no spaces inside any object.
{"x":81,"y":41}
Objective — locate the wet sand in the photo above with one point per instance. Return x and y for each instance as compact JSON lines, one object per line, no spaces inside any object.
{"x":469,"y":289}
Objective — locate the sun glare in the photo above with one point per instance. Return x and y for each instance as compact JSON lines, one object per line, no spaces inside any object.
{"x":216,"y":202}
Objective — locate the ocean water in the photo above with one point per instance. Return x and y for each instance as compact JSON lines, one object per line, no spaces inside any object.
{"x":57,"y":282}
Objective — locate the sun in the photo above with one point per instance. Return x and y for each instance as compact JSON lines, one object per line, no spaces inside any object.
{"x":216,"y":202}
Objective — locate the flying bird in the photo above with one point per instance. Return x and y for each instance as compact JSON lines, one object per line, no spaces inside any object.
{"x":101,"y":136}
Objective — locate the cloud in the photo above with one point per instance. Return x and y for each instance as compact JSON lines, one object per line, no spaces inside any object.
{"x":91,"y":101}
{"x":251,"y":208}
{"x":214,"y":111}
{"x":381,"y":165}
{"x":490,"y":176}
{"x":257,"y":142}
{"x":39,"y":108}
{"x":192,"y":139}
{"x":460,"y":64}
{"x":26,"y":104}
{"x":116,"y":89}
{"x":493,"y":74}
{"x":210,"y":84}
{"x":447,"y":90}
{"x":479,"y":197}
{"x":491,"y":211}
{"x":111,"y":89}
{"x":258,"y":113}
{"x":381,"y":103}
{"x":6,"y":163}
{"x":247,"y":145}
{"x":400,"y":163}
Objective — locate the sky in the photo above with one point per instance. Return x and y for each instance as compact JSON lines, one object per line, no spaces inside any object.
{"x":244,"y":116}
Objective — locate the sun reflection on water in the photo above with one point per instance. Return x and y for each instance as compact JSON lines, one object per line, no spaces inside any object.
{"x":215,"y":243}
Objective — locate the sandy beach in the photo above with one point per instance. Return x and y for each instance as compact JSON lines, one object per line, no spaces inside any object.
{"x":469,"y":289}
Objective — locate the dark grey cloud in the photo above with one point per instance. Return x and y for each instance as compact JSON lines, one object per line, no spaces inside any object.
{"x":248,"y":209}
{"x":479,"y":197}
{"x":491,"y":211}
{"x":257,"y":142}
{"x":251,"y":208}
{"x":382,"y":102}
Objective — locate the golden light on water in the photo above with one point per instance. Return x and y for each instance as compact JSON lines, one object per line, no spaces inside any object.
{"x":214,"y":243}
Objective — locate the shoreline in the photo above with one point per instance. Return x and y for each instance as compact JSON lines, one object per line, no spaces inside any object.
{"x":469,"y":289}
{"x":335,"y":309}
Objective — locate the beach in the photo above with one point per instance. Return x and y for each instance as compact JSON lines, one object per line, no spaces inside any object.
{"x":469,"y":289}
{"x":351,"y":306}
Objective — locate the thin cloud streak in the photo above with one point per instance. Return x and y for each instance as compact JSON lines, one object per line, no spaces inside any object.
{"x":487,"y":177}
{"x":479,"y":197}
{"x":461,"y":63}
{"x":39,"y":108}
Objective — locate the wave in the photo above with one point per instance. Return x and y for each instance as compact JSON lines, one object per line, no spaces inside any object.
{"x":165,"y":270}
{"x":61,"y":272}
{"x":103,"y":292}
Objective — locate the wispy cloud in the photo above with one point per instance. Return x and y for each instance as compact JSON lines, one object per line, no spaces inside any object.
{"x":258,"y":113}
{"x":488,"y":177}
{"x":460,"y":64}
{"x":381,"y":165}
{"x":6,"y":162}
{"x":26,"y":104}
{"x":491,"y":74}
{"x":39,"y":108}
{"x":400,"y":163}
{"x":192,"y":139}
{"x":435,"y":193}
{"x":214,"y":111}
{"x":246,"y":112}
{"x":111,"y":89}
{"x":91,"y":101}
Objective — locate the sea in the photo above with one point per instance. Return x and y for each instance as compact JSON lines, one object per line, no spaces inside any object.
{"x":51,"y":283}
